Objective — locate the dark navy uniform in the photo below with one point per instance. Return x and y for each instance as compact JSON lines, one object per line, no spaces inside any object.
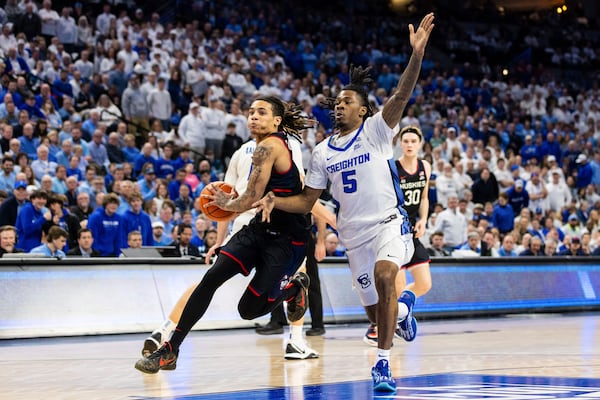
{"x":276,"y":249}
{"x":413,"y":185}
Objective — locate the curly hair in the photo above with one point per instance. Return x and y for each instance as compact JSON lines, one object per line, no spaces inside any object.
{"x":292,"y":119}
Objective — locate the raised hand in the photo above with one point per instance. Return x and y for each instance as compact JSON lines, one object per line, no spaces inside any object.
{"x":419,"y":38}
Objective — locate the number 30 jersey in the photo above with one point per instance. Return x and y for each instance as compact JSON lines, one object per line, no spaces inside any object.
{"x":412,"y":185}
{"x":363,"y":179}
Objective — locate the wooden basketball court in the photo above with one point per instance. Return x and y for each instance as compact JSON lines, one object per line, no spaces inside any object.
{"x":541,"y":356}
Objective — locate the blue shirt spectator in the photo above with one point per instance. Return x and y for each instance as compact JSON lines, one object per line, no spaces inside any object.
{"x":529,"y":151}
{"x":30,"y":220}
{"x":518,"y":198}
{"x":503,"y":216}
{"x":135,"y":219}
{"x":584,"y":171}
{"x":107,"y":227}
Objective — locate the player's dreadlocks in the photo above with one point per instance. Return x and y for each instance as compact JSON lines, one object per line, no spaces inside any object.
{"x":360,"y":78}
{"x":292,"y":120}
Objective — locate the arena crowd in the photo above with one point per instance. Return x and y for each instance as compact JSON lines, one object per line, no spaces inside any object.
{"x":113,"y":118}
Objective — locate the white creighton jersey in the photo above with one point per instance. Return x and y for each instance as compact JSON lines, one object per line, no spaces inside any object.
{"x":363,"y":177}
{"x":240,"y":167}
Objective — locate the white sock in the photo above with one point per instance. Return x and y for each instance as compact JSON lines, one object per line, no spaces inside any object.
{"x":383,"y":355}
{"x":296,"y":333}
{"x":402,"y":311}
{"x":167,"y":329}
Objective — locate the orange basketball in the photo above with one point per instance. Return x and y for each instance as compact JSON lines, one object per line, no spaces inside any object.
{"x":213,"y":212}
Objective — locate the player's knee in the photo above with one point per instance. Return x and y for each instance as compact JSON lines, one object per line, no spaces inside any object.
{"x":248,"y":312}
{"x":385,"y":274}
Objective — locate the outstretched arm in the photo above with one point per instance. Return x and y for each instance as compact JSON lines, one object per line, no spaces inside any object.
{"x":393,"y":109}
{"x":298,"y":204}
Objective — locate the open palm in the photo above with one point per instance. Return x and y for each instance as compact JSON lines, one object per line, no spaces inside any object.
{"x":419,"y":38}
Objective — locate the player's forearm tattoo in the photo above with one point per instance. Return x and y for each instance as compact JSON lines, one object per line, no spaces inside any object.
{"x":261,"y":153}
{"x":395,"y":105}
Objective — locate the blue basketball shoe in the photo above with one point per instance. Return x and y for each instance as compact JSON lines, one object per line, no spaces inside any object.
{"x":382,"y":377}
{"x":407,"y":328}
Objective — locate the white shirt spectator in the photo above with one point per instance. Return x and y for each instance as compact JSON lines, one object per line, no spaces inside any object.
{"x":66,"y":30}
{"x":49,"y":19}
{"x":191,"y":129}
{"x":103,"y":22}
{"x":559,"y":194}
{"x":452,"y":224}
{"x":159,"y":104}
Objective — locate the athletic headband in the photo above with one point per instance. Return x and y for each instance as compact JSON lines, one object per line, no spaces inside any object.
{"x":411,"y":129}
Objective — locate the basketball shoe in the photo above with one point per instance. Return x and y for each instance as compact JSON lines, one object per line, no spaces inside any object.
{"x":298,"y":304}
{"x":299,"y":350}
{"x":163,"y":358}
{"x":382,"y":377}
{"x":370,"y":337}
{"x":152,"y":343}
{"x":407,"y":328}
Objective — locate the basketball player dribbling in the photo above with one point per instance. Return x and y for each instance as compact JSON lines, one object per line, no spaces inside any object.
{"x":371,"y":222}
{"x":276,"y":249}
{"x":238,"y":173}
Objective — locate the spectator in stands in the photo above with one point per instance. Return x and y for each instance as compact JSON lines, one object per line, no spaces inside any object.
{"x":437,"y":249}
{"x":42,"y":165}
{"x":113,"y":149}
{"x":559,"y":195}
{"x":84,"y":248}
{"x":573,"y":226}
{"x":143,"y":158}
{"x":535,"y":248}
{"x":97,"y":150}
{"x":584,"y":172}
{"x":473,"y":243}
{"x":135,"y":219}
{"x":30,"y":22}
{"x":158,"y":234}
{"x":452,"y":224}
{"x":508,"y":247}
{"x":134,"y":240}
{"x":30,"y":219}
{"x":29,"y":143}
{"x":192,"y":130}
{"x":332,"y":246}
{"x":8,"y":239}
{"x":166,"y":215}
{"x":518,"y":198}
{"x":183,"y":244}
{"x":107,"y":227}
{"x":159,"y":104}
{"x":130,"y":151}
{"x":135,"y":108}
{"x":7,"y":177}
{"x":573,"y":248}
{"x":214,"y":123}
{"x":184,"y":202}
{"x":55,"y":242}
{"x":147,"y":182}
{"x":59,"y":216}
{"x":446,"y":184}
{"x":165,"y":165}
{"x":13,"y":205}
{"x":485,"y":188}
{"x":71,"y":191}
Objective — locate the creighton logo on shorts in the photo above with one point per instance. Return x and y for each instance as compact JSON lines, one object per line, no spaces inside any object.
{"x":364,"y":281}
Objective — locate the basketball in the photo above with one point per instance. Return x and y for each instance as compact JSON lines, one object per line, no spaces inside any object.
{"x":213,"y":212}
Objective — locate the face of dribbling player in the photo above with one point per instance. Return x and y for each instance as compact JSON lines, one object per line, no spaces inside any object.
{"x":261,"y":121}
